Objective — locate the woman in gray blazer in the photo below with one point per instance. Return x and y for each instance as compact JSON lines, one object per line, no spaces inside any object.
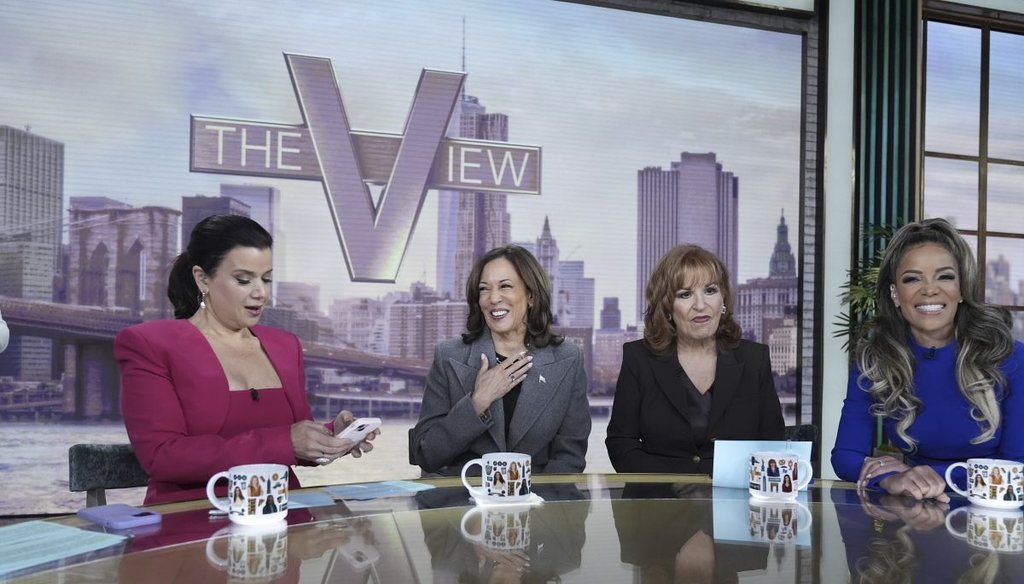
{"x":509,"y":384}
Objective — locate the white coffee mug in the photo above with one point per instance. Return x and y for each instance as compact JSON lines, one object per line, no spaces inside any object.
{"x":501,"y":528}
{"x":773,"y":521}
{"x":505,"y":477}
{"x":257,"y":493}
{"x":991,"y":482}
{"x":778,"y":475}
{"x":253,"y":552}
{"x":990,"y":529}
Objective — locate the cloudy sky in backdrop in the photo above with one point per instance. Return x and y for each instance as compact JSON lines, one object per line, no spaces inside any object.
{"x":603,"y":92}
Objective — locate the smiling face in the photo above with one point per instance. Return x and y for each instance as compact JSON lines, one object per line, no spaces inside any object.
{"x":239,"y":289}
{"x":504,"y":300}
{"x":697,"y":310}
{"x":927,"y":292}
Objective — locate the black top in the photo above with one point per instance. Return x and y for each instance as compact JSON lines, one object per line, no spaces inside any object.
{"x":511,"y":398}
{"x":652,"y":426}
{"x":697,"y":409}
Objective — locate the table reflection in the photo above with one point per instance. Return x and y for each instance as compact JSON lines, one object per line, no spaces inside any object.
{"x":596,"y":528}
{"x":670,"y":536}
{"x":898,"y":539}
{"x":504,"y":544}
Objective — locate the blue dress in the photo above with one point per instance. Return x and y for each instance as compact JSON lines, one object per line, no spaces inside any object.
{"x":943,"y":427}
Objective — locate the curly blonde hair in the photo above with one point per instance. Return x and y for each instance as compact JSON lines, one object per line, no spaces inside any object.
{"x":984,"y":338}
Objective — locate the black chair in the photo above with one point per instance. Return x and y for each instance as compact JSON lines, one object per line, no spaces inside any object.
{"x":93,"y":468}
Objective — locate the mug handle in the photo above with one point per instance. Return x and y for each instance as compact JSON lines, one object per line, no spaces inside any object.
{"x":808,"y":471}
{"x":478,"y":538}
{"x":222,"y":504}
{"x":805,"y":514}
{"x":476,"y":491}
{"x":949,"y":478}
{"x":211,"y":555}
{"x":949,"y":525}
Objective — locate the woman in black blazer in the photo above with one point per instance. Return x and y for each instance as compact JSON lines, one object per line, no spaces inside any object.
{"x":691,"y":379}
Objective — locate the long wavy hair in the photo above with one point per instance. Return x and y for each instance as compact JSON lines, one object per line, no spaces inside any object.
{"x":684,"y":266}
{"x":984,"y":338}
{"x":889,"y":560}
{"x":538,"y":290}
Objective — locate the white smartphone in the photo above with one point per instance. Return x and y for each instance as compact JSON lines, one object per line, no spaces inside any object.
{"x":359,"y":429}
{"x":359,"y":554}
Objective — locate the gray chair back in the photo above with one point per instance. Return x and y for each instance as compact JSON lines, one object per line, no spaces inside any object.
{"x":93,"y":468}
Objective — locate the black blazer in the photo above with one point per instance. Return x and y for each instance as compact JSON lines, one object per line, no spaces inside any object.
{"x":648,"y":431}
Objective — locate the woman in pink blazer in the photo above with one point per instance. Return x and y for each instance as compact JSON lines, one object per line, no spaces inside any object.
{"x":213,"y":389}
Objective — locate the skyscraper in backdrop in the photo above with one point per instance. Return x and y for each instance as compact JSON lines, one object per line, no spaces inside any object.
{"x":694,"y":201}
{"x":482,"y":220}
{"x":195,"y":209}
{"x":31,"y":210}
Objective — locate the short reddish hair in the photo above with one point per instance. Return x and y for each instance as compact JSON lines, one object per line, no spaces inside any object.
{"x":682,"y":267}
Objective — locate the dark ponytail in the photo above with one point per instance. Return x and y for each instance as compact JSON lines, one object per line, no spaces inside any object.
{"x":211,"y":240}
{"x":181,"y":287}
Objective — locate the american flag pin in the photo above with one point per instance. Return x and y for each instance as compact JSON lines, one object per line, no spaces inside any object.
{"x":542,"y":380}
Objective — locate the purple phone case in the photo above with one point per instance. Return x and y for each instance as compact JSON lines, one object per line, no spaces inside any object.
{"x":119,"y":516}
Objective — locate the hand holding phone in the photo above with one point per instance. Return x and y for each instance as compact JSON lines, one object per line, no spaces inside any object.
{"x":119,"y":516}
{"x":359,"y":429}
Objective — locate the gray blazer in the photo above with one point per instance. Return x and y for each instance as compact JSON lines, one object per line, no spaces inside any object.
{"x":551,"y":422}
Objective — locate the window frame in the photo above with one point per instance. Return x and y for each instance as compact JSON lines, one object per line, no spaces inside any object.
{"x":986,"y":21}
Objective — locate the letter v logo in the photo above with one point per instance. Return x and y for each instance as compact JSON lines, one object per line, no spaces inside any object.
{"x":373,"y":237}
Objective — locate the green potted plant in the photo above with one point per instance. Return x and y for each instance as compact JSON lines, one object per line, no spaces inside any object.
{"x":859,"y":290}
{"x":859,"y":297}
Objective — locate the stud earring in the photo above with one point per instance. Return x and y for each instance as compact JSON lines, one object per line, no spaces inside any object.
{"x":724,"y":309}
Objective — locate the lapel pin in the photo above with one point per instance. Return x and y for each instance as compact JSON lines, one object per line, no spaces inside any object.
{"x":542,"y":380}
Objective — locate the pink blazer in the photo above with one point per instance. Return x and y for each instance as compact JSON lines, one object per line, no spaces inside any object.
{"x":174,"y":398}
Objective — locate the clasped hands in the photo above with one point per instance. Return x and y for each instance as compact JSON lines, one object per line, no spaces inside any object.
{"x":918,"y":482}
{"x":492,"y":383}
{"x":313,"y":441}
{"x":919,"y":515}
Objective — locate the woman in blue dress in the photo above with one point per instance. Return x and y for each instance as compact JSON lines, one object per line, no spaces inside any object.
{"x":938,"y":366}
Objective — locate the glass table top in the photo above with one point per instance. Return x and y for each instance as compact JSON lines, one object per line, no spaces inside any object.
{"x":590,"y":528}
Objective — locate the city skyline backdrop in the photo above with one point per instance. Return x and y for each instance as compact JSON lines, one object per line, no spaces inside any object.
{"x":125,"y":134}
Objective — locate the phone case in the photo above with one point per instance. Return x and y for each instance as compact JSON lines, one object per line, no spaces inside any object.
{"x":119,"y":516}
{"x":358,"y":429}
